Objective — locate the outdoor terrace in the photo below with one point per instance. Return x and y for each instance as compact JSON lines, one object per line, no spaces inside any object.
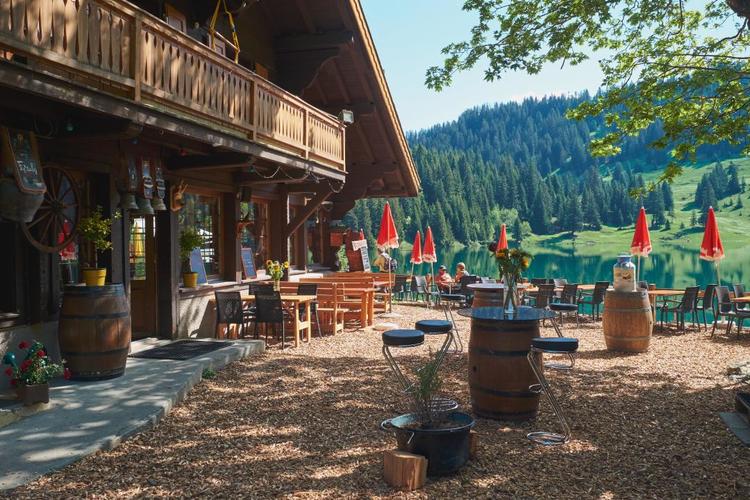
{"x":115,"y":48}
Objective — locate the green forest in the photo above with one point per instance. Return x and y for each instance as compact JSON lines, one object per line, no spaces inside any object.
{"x":526,"y":165}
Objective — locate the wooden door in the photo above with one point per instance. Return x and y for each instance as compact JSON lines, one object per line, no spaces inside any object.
{"x":143,"y":277}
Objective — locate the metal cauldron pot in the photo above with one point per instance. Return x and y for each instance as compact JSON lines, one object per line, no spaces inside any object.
{"x":446,"y":448}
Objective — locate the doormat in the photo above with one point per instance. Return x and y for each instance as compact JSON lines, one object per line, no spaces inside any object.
{"x":181,"y":350}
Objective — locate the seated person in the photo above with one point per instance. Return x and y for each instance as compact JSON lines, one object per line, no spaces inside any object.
{"x":460,"y":271}
{"x":443,"y":279}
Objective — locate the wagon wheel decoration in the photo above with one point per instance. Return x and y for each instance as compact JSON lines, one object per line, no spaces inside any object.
{"x":55,"y":223}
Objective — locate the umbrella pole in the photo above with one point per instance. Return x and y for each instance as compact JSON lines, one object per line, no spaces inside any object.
{"x":718,"y":280}
{"x":638,"y":270}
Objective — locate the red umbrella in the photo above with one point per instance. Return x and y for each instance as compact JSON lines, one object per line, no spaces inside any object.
{"x":502,"y":241}
{"x":711,"y":248}
{"x":388,"y":236}
{"x":428,"y":253}
{"x":361,"y":235}
{"x":416,"y":251}
{"x":641,"y":245}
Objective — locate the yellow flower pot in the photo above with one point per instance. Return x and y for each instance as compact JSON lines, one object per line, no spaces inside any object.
{"x":190,"y":280}
{"x":95,"y":277}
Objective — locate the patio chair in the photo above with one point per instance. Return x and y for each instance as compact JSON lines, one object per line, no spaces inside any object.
{"x":560,"y":282}
{"x":643,"y":285}
{"x":739,"y":291}
{"x":539,"y":281}
{"x":270,"y":311}
{"x":419,"y":288}
{"x":399,"y":287}
{"x":567,"y":303}
{"x":229,"y":311}
{"x":724,"y":308}
{"x":706,"y":304}
{"x":544,"y":296}
{"x":261,"y":288}
{"x":681,"y":308}
{"x":310,"y":289}
{"x":595,"y":299}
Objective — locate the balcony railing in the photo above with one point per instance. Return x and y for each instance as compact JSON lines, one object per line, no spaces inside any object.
{"x":122,"y":50}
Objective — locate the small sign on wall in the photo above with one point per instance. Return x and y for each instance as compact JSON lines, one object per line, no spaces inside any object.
{"x":248,"y":263}
{"x":198,"y":266}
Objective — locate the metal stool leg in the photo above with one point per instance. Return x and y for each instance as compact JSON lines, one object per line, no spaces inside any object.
{"x":543,"y":437}
{"x":458,"y":345}
{"x":560,"y":366}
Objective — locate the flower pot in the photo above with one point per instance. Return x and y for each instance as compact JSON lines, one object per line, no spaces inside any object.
{"x":446,"y":446}
{"x":190,"y":280}
{"x":33,"y":394}
{"x":95,"y":276}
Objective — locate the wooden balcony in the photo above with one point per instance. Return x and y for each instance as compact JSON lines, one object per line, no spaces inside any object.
{"x":117,"y":48}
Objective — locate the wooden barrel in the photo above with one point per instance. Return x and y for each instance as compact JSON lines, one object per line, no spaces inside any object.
{"x":627,"y":321}
{"x":499,"y":373}
{"x":94,"y":331}
{"x":487,"y":295}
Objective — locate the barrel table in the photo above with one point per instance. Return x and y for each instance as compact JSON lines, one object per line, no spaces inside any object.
{"x":499,"y":373}
{"x":627,"y":321}
{"x":94,"y":331}
{"x":490,"y":294}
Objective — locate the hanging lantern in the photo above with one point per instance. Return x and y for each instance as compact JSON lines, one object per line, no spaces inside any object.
{"x":127,"y":200}
{"x":144,"y":206}
{"x":161,"y":189}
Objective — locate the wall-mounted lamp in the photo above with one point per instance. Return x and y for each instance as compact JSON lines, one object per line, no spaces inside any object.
{"x":346,"y":116}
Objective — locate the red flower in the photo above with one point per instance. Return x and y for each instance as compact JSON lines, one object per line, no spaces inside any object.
{"x":9,"y":372}
{"x":23,"y":345}
{"x":14,"y":382}
{"x":67,"y":374}
{"x":40,"y":353}
{"x":26,"y":363}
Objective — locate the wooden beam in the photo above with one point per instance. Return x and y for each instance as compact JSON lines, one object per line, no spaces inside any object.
{"x":305,"y":212}
{"x":298,"y":70}
{"x":205,"y":162}
{"x":313,"y":41}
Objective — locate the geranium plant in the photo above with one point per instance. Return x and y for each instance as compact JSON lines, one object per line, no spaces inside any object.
{"x":36,"y":368}
{"x":275,"y":269}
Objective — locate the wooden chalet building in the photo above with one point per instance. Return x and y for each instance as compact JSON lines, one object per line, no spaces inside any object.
{"x":136,"y":107}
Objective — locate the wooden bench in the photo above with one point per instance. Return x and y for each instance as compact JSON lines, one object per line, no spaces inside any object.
{"x":356,"y":297}
{"x":330,"y":297}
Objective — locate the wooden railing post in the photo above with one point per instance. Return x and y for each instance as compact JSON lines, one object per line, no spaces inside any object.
{"x":137,"y":56}
{"x":306,"y":132}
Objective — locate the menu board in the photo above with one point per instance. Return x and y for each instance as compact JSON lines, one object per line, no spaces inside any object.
{"x":248,"y":263}
{"x":197,"y":266}
{"x":365,"y":259}
{"x":25,"y":161}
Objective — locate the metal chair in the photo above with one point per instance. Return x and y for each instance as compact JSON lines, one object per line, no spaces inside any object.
{"x":739,"y":291}
{"x":310,"y":289}
{"x":539,"y":281}
{"x":419,"y":287}
{"x":643,"y":285}
{"x":596,"y":299}
{"x":706,"y":304}
{"x":724,"y":308}
{"x":399,"y":287}
{"x":229,"y":310}
{"x":261,"y":288}
{"x":568,"y":303}
{"x":681,"y":308}
{"x":550,"y":345}
{"x":270,"y":310}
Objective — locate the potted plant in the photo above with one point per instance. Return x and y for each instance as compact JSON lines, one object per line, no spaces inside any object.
{"x":189,"y":241}
{"x":96,"y":229}
{"x":435,"y":430}
{"x":276,"y":271}
{"x":31,"y":378}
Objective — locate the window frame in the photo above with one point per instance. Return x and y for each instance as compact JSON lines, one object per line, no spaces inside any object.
{"x":217,"y":235}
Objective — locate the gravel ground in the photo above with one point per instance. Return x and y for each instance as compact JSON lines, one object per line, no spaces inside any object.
{"x":304,"y":423}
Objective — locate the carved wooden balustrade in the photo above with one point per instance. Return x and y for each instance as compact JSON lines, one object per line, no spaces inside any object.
{"x":116,"y":48}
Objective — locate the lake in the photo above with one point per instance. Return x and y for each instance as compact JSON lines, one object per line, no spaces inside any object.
{"x":675,"y":268}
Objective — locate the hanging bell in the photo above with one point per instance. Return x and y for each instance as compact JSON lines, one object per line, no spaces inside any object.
{"x":127,"y":202}
{"x":158,"y":204}
{"x":144,"y":206}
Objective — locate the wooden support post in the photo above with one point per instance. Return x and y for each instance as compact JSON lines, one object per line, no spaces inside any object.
{"x":167,"y":272}
{"x":279,"y":220}
{"x":403,"y":470}
{"x":231,"y":245}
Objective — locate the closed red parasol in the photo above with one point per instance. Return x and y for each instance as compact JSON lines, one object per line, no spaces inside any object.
{"x":711,"y":248}
{"x":387,"y":239}
{"x":502,"y":241}
{"x":428,"y":253}
{"x":416,"y":251}
{"x":641,"y":245}
{"x":361,"y":235}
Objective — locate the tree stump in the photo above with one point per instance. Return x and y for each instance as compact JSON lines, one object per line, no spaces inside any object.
{"x":403,"y":470}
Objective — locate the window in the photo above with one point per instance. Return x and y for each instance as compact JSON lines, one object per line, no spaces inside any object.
{"x":137,"y":249}
{"x":10,"y":299}
{"x":201,"y":212}
{"x":175,"y":18}
{"x":256,"y":235}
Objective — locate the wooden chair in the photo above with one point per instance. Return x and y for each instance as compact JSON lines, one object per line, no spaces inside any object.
{"x":310,"y":289}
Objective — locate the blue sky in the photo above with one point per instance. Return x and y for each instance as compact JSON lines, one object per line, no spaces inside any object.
{"x":409,"y":35}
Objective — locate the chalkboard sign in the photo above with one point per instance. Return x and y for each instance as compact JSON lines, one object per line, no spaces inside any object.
{"x":25,"y":161}
{"x":248,"y":263}
{"x":197,"y":266}
{"x":365,"y":259}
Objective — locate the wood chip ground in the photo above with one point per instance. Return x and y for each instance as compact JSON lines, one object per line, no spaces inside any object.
{"x":304,"y":423}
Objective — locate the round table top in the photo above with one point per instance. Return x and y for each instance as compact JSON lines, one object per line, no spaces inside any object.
{"x":489,"y":287}
{"x":522,"y":313}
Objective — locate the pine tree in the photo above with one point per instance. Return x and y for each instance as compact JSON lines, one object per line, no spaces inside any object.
{"x":739,"y":203}
{"x":540,"y":221}
{"x":693,"y":219}
{"x":517,"y":230}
